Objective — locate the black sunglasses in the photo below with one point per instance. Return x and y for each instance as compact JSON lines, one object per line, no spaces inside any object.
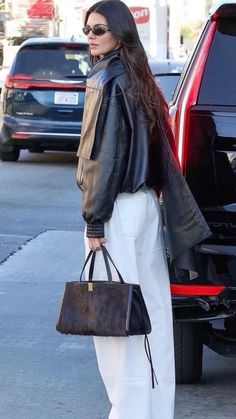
{"x":97,"y":30}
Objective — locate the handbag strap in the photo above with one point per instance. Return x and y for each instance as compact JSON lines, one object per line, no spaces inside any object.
{"x":106,"y":256}
{"x":108,"y":269}
{"x":149,"y":357}
{"x":85,"y":263}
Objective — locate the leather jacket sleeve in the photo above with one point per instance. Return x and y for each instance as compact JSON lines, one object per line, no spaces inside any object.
{"x":104,"y":171}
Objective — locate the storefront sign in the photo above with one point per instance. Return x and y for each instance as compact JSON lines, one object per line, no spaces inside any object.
{"x":140,"y":14}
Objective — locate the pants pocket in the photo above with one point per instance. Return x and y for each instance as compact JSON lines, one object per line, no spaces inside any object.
{"x":131,"y":209}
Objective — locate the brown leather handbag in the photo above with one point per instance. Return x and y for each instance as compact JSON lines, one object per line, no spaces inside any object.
{"x":103,"y":308}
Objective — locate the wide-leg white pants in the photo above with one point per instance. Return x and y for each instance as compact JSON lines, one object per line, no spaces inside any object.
{"x":135,"y":242}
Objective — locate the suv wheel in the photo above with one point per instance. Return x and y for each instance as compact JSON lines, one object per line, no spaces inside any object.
{"x":10,"y":155}
{"x":188,"y":353}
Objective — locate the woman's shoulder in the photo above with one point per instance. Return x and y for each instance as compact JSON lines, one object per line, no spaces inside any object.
{"x":109,"y":71}
{"x":122,"y":80}
{"x":115,"y":73}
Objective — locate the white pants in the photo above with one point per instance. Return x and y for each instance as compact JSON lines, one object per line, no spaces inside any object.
{"x":135,"y":242}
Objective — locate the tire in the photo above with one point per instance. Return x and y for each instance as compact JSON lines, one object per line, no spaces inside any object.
{"x":188,"y":353}
{"x":10,"y":155}
{"x":230,"y":325}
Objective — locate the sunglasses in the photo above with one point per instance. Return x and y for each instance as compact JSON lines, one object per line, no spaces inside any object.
{"x":97,"y":30}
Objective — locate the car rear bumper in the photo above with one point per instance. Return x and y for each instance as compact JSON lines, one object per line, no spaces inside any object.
{"x":27,"y":133}
{"x":201,"y":308}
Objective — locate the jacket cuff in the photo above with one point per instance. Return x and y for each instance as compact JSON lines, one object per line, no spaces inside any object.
{"x":95,"y":230}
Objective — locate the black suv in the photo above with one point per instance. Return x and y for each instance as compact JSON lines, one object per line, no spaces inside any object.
{"x":203,"y":111}
{"x":43,"y":97}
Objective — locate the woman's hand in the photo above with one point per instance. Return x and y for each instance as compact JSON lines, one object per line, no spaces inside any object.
{"x":95,"y":243}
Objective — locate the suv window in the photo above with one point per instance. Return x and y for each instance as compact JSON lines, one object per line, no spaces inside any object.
{"x":218,"y":85}
{"x":52,"y":62}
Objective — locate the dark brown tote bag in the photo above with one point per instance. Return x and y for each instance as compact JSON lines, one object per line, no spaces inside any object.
{"x":102,"y":308}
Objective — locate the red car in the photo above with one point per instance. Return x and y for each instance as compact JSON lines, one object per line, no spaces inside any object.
{"x":203,"y":111}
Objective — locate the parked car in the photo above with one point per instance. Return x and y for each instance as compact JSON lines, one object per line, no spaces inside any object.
{"x":43,"y":97}
{"x":167,"y":83}
{"x":203,"y":112}
{"x":166,"y":73}
{"x":3,"y":73}
{"x":166,"y":65}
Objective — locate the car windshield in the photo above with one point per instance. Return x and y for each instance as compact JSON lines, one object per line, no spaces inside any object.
{"x":54,"y":62}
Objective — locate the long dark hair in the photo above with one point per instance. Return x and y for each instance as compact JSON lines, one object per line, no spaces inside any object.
{"x":147,"y":95}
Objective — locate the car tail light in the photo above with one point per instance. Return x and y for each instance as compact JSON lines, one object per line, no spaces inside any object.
{"x":19,"y":134}
{"x":180,"y":117}
{"x":23,"y":81}
{"x":11,"y":79}
{"x":190,"y":290}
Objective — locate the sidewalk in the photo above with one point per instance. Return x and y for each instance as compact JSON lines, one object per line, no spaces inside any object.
{"x":43,"y":374}
{"x":46,"y":375}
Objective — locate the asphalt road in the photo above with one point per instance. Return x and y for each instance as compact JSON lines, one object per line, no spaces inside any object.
{"x":38,"y":193}
{"x":44,"y":374}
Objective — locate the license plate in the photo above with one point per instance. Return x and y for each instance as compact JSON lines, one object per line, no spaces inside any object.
{"x":66,"y":98}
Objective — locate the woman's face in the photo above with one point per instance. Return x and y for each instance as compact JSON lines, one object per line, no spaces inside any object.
{"x":100,"y":44}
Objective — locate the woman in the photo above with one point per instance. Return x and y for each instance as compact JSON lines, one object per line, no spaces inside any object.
{"x":126,"y":155}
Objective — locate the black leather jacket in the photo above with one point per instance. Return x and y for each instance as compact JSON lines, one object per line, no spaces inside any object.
{"x":115,"y":157}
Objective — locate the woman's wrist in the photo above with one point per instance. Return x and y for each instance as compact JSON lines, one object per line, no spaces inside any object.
{"x":95,"y":230}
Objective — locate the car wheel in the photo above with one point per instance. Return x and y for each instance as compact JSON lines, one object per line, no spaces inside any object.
{"x":230,"y":326}
{"x":188,"y":353}
{"x":10,"y":155}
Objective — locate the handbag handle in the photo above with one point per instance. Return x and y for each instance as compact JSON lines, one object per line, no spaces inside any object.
{"x":91,"y":254}
{"x":106,"y":256}
{"x":108,"y":269}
